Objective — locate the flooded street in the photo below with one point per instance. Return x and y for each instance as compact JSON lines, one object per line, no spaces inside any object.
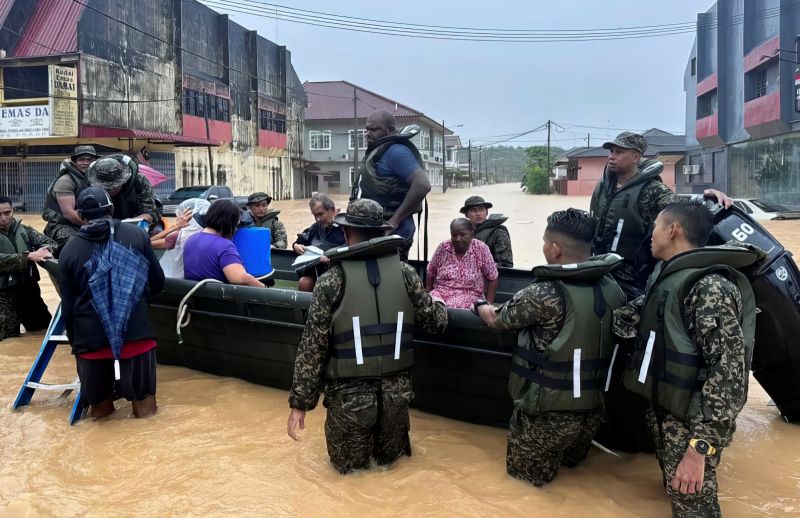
{"x":218,"y":446}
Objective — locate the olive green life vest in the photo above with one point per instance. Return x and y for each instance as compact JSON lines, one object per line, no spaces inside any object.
{"x":372,"y":329}
{"x":667,"y":368}
{"x":16,"y":242}
{"x":269,"y":220}
{"x":543,"y":382}
{"x":621,"y":208}
{"x":492,"y":223}
{"x":382,"y":187}
{"x":52,"y":210}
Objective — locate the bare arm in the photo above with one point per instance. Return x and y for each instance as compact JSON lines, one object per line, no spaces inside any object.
{"x":491,"y":290}
{"x":236,"y":274}
{"x":420,"y":186}
{"x":67,"y":206}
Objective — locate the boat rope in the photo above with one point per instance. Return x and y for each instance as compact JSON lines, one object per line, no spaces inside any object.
{"x":604,"y":449}
{"x":182,"y":307}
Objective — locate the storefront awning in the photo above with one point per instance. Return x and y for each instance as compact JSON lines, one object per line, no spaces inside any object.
{"x":158,"y":136}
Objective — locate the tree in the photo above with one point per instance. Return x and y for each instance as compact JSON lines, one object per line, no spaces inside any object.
{"x":538,"y":181}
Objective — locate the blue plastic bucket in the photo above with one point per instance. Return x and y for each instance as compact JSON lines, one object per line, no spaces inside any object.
{"x":253,"y":244}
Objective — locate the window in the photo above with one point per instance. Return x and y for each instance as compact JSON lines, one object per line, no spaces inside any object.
{"x":437,"y":145}
{"x":362,"y":139}
{"x":760,"y":82}
{"x":26,"y":82}
{"x":424,"y":140}
{"x":707,"y":104}
{"x":693,"y":67}
{"x":271,"y":121}
{"x":196,"y":104}
{"x":319,"y":140}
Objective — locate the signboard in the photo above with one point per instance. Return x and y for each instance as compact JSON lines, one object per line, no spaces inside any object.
{"x":63,"y":101}
{"x":24,"y":121}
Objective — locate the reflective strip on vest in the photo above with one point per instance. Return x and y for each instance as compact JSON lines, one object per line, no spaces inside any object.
{"x":614,"y":245}
{"x":397,"y":336}
{"x":611,"y":366}
{"x":648,"y":353}
{"x":357,"y":340}
{"x":576,"y":373}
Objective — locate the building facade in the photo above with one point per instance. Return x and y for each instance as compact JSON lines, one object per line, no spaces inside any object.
{"x":576,"y":172}
{"x":742,"y":84}
{"x":332,"y":128}
{"x":167,"y":80}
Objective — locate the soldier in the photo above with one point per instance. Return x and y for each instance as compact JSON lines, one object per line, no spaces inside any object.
{"x":489,"y":229}
{"x":392,"y":174}
{"x":130,"y":191}
{"x":355,"y":347}
{"x":62,"y":219}
{"x":624,"y":205}
{"x":694,"y":330}
{"x":263,"y":216}
{"x":563,"y":323}
{"x":21,"y":247}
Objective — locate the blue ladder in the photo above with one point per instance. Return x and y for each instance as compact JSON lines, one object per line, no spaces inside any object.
{"x":52,"y":339}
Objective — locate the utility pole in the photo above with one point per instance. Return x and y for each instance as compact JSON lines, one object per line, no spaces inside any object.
{"x":547,"y":164}
{"x":444,"y":161}
{"x":355,"y":137}
{"x":588,"y":140}
{"x":469,"y":160}
{"x":480,"y":163}
{"x":208,"y":137}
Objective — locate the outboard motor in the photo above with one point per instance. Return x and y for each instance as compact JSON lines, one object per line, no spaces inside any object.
{"x":776,"y":285}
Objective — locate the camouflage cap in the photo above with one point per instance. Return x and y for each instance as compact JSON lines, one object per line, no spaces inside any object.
{"x":474,"y":201}
{"x":258,"y":197}
{"x":628,"y":140}
{"x":108,"y":173}
{"x":83,"y":150}
{"x":363,"y":213}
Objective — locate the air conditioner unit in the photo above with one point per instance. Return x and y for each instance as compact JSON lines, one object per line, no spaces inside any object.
{"x":690,"y":170}
{"x":345,"y":156}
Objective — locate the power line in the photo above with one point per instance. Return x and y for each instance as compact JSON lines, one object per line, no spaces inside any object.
{"x":356,"y":24}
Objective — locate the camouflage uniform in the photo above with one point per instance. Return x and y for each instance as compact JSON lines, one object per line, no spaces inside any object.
{"x":23,"y":304}
{"x":60,"y":232}
{"x":712,"y":314}
{"x":539,"y":444}
{"x":367,"y":417}
{"x":277,"y":231}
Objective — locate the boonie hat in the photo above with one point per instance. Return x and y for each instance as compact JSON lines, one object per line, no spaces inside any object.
{"x":363,"y":213}
{"x":108,"y":173}
{"x":628,"y":140}
{"x":83,"y":150}
{"x":93,"y":202}
{"x":474,"y":201}
{"x":258,"y":197}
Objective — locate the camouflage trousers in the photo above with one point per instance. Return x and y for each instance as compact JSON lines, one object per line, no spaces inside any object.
{"x":22,"y":304}
{"x":538,"y":445}
{"x":367,"y":419}
{"x":672,"y":438}
{"x":60,"y":233}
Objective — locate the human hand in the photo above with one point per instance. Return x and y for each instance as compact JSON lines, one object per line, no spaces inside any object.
{"x":720,"y":196}
{"x":40,"y":255}
{"x":689,"y":475}
{"x":182,"y":221}
{"x":324,"y":259}
{"x":296,"y":417}
{"x":298,"y":249}
{"x":394,"y":223}
{"x":487,"y":312}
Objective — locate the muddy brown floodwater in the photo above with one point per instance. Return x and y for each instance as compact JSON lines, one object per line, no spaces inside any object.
{"x":218,"y":446}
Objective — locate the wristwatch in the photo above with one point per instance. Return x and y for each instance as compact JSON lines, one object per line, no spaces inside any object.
{"x":702,"y":447}
{"x":478,"y":303}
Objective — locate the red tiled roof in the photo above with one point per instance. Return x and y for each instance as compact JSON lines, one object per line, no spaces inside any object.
{"x":52,"y":29}
{"x":334,"y":100}
{"x":105,"y":132}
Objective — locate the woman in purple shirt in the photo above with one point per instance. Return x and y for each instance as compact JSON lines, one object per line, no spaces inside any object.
{"x":211,"y":254}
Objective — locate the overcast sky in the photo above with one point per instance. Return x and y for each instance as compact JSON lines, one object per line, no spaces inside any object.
{"x":503,"y":88}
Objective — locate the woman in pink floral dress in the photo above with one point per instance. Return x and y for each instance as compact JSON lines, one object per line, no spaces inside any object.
{"x":462,"y":270}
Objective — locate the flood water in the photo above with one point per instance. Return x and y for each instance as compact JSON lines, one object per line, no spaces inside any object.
{"x":218,"y":446}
